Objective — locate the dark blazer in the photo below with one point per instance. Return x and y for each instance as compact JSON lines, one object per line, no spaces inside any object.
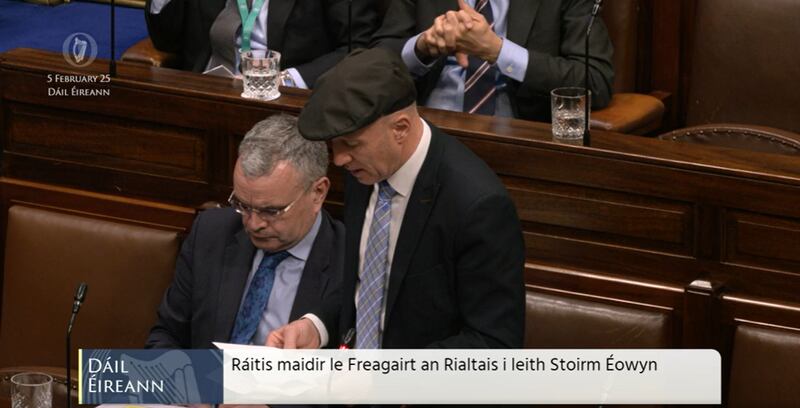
{"x":457,"y":273}
{"x":311,"y":35}
{"x":211,"y":272}
{"x":555,"y":44}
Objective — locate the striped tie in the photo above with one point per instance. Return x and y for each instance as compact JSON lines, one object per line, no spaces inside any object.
{"x":479,"y":87}
{"x":257,"y":298}
{"x":373,"y":276}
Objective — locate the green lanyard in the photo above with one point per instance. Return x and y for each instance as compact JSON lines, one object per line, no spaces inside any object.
{"x":248,"y":20}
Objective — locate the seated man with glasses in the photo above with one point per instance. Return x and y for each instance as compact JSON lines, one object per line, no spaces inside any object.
{"x":269,"y":258}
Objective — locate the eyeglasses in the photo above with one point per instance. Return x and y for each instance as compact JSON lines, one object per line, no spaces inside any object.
{"x":265,"y":213}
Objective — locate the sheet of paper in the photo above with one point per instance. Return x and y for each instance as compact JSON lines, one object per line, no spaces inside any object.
{"x":231,"y":346}
{"x":221,"y":71}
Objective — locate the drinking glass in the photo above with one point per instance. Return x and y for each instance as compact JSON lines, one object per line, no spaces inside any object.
{"x":567,"y":107}
{"x":31,"y":390}
{"x":261,"y":70}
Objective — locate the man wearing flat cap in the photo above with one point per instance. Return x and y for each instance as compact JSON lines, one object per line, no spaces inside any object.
{"x":434,"y":252}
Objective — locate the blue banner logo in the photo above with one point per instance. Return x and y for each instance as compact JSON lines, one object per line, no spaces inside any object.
{"x":150,"y":376}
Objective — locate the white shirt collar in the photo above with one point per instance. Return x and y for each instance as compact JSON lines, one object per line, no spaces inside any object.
{"x":403,"y":179}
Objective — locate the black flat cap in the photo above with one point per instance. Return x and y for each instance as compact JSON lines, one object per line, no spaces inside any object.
{"x":364,"y":86}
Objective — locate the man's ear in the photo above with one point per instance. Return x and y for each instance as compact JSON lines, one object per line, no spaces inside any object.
{"x":401,"y":127}
{"x":320,"y":189}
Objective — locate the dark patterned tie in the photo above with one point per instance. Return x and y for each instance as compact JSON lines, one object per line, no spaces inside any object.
{"x":257,"y":298}
{"x":479,"y":86}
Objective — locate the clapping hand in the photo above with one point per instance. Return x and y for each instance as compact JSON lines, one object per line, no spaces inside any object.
{"x":461,"y":33}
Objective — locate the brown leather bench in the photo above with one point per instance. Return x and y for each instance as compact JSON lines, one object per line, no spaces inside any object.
{"x":47,"y":253}
{"x":555,"y":321}
{"x":765,"y":368}
{"x":742,"y":68}
{"x":748,"y":137}
{"x":630,"y":111}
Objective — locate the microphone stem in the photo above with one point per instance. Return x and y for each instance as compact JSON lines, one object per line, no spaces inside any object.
{"x":69,"y":372}
{"x":587,"y":136}
{"x":80,"y":294}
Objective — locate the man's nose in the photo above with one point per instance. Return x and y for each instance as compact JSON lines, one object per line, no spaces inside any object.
{"x":254,"y":222}
{"x":340,"y":159}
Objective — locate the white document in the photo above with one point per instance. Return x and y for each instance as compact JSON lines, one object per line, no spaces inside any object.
{"x":220,"y":71}
{"x":231,"y":346}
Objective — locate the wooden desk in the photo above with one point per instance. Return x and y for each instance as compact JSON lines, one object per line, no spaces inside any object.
{"x":629,"y":220}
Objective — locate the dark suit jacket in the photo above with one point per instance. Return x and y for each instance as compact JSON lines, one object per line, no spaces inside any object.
{"x":211,"y":273}
{"x":457,"y":273}
{"x":555,"y":45}
{"x":311,"y":35}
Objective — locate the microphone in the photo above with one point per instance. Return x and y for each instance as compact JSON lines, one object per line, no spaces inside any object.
{"x":80,"y":295}
{"x":112,"y":66}
{"x":349,"y":26}
{"x":586,"y":134}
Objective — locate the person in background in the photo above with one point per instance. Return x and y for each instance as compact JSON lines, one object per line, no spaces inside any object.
{"x":311,"y":35}
{"x":498,"y":57}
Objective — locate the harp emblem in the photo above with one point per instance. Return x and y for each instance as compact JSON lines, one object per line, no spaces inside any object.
{"x":79,"y":49}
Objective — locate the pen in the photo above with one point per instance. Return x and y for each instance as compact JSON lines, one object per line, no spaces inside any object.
{"x":347,"y":339}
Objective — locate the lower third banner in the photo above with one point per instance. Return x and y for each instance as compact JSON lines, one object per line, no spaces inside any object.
{"x":150,"y":376}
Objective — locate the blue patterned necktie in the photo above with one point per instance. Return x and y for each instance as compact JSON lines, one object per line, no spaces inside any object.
{"x":479,"y":86}
{"x":257,"y":298}
{"x":373,"y":276}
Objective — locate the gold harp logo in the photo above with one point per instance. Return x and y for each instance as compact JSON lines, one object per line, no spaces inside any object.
{"x":79,"y":49}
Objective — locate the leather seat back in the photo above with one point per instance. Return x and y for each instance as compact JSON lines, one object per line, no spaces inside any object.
{"x":622,"y":18}
{"x":126,"y":267}
{"x":765,"y":368}
{"x":743,"y":68}
{"x":553,"y":321}
{"x":748,"y":137}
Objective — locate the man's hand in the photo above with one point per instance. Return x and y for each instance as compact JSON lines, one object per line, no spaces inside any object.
{"x":437,"y":41}
{"x":300,"y":334}
{"x":476,"y":37}
{"x":464,"y":32}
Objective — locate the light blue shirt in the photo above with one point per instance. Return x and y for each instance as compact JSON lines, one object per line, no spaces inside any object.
{"x":258,"y":38}
{"x":512,"y":63}
{"x":284,"y":289}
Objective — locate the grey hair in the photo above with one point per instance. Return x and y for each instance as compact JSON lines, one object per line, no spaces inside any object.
{"x":276,"y":139}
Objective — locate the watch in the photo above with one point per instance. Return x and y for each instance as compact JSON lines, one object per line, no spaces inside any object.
{"x":287,"y":80}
